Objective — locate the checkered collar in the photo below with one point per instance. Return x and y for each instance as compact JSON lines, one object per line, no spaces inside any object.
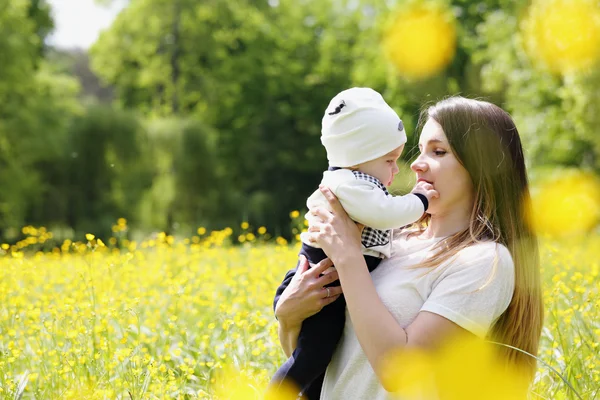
{"x":365,"y":177}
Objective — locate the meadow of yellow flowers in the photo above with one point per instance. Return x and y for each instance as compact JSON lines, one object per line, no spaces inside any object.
{"x":192,"y":318}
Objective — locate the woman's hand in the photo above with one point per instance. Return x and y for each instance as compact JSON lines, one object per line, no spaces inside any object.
{"x":306,"y":294}
{"x":335,"y":233}
{"x":302,"y":298}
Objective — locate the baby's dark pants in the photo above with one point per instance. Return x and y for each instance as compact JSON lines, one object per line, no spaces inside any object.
{"x":318,"y":337}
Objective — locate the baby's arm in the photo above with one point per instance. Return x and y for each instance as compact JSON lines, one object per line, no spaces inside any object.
{"x":369,"y":205}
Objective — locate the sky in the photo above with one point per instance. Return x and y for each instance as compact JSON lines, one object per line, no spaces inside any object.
{"x":79,"y":22}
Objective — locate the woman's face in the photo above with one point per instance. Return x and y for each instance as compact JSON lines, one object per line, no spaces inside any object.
{"x":437,"y":165}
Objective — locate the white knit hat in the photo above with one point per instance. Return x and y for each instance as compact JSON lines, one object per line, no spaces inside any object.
{"x":359,"y":126}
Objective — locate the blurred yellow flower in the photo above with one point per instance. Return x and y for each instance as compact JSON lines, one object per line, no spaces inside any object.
{"x":286,"y":391}
{"x":466,"y":368}
{"x":421,"y":39}
{"x":409,"y":382}
{"x":89,"y":237}
{"x":232,"y":384}
{"x":245,"y":225}
{"x":201,"y":231}
{"x":564,"y":35}
{"x":294,"y":214}
{"x":567,"y":204}
{"x":262,"y":230}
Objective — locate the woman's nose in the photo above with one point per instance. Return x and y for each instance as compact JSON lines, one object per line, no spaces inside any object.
{"x":419,"y":165}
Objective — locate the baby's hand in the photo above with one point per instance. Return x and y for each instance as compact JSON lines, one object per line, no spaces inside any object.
{"x":426,"y":189}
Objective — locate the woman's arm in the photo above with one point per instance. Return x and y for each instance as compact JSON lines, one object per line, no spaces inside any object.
{"x":304,"y":297}
{"x":288,"y":337}
{"x":376,"y":329}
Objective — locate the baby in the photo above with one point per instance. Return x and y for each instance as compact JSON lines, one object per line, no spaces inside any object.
{"x":363,"y":138}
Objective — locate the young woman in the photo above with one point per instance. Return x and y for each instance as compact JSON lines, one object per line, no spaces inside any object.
{"x":470,"y":266}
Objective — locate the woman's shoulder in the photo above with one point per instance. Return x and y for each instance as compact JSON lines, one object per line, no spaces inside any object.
{"x":487,"y":249}
{"x":484,"y":256}
{"x":480,"y":254}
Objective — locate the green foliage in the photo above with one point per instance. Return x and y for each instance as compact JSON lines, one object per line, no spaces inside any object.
{"x":35,"y":107}
{"x":228,"y":98}
{"x":263,"y":74}
{"x":202,"y":192}
{"x":556,"y":115}
{"x":156,"y":202}
{"x":259,"y":84}
{"x":39,"y":13}
{"x":189,"y":186}
{"x":107,"y":173}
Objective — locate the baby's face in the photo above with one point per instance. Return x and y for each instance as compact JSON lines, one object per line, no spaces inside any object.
{"x":383,"y":168}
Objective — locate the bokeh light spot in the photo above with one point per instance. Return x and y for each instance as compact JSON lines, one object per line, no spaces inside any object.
{"x":465,"y":368}
{"x":233,"y":384}
{"x":563,"y":35}
{"x":421,"y":39}
{"x":566,"y":204}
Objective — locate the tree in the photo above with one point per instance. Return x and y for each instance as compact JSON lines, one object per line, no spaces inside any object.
{"x":556,"y":114}
{"x":35,"y":105}
{"x":259,"y":74}
{"x":240,"y":69}
{"x":108,"y":170}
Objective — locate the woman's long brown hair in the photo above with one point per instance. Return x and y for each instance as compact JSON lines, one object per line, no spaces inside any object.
{"x":485,"y":140}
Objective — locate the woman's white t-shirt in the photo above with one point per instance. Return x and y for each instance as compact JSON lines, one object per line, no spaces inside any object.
{"x":472,"y":290}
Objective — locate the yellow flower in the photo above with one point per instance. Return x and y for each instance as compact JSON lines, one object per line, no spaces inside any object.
{"x":566,"y":204}
{"x":89,"y":237}
{"x":563,"y":34}
{"x":144,"y":298}
{"x":465,"y":368}
{"x":294,"y":214}
{"x":262,"y":230}
{"x":201,"y":231}
{"x":420,"y":39}
{"x":245,"y":225}
{"x":232,"y":384}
